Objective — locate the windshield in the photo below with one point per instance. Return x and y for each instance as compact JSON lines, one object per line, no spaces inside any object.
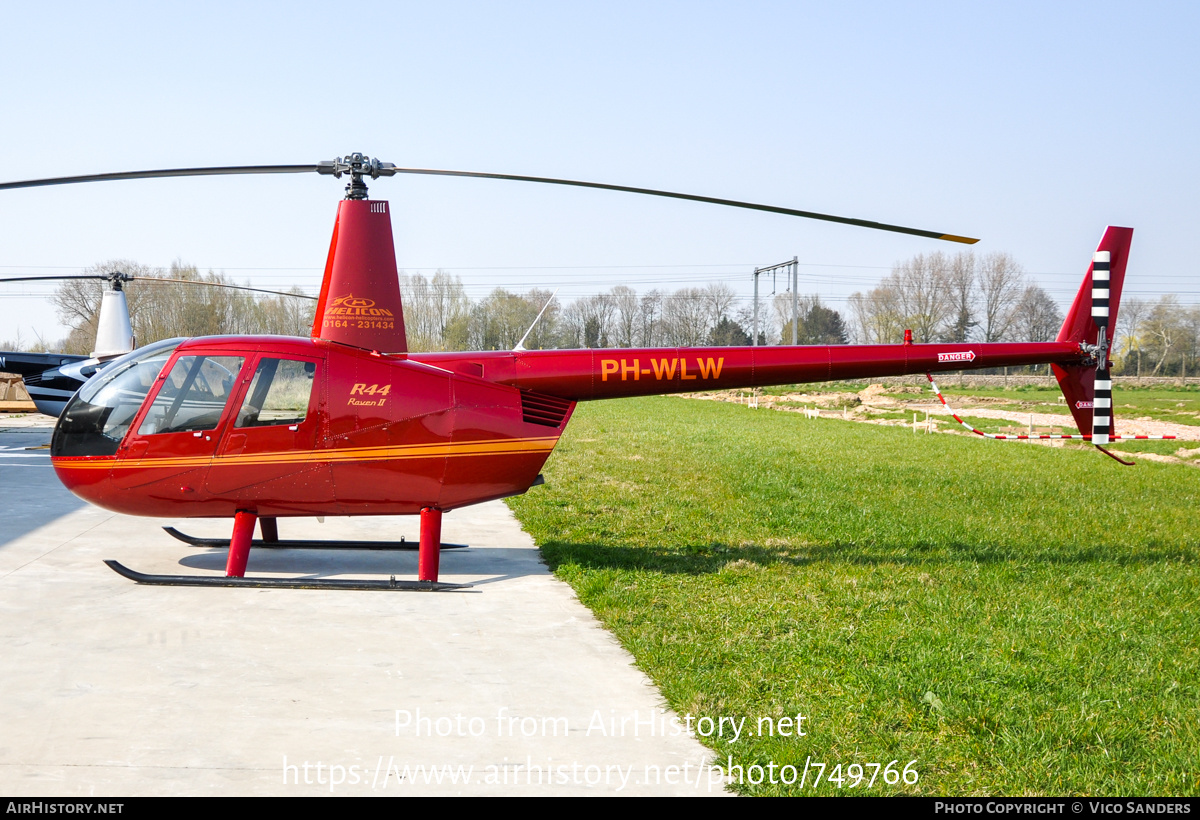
{"x":98,"y":416}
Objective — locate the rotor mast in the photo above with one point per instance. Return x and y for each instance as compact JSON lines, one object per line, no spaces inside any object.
{"x":114,"y":333}
{"x":360,"y":302}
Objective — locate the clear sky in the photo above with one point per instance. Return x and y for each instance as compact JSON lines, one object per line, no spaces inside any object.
{"x":1030,"y":125}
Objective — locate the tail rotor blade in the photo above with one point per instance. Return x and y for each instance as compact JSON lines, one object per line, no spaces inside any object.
{"x":1102,"y":401}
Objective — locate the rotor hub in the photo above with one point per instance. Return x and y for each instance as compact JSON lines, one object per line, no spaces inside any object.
{"x":1097,"y":355}
{"x":357,"y":165}
{"x":117,"y":279}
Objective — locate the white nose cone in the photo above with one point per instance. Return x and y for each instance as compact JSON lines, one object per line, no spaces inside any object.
{"x":114,"y":336}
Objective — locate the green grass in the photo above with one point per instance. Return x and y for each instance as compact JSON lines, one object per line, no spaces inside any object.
{"x":1017,"y":619}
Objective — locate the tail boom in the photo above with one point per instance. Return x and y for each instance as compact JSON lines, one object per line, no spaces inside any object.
{"x":582,"y":375}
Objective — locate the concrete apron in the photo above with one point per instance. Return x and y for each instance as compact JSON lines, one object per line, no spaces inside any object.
{"x":114,"y":689}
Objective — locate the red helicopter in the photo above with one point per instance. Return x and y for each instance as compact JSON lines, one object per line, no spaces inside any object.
{"x":349,"y":422}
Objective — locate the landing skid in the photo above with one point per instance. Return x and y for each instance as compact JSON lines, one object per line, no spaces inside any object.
{"x":280,"y":583}
{"x":222,"y":543}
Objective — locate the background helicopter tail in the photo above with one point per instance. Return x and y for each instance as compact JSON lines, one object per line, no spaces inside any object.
{"x":1090,"y":322}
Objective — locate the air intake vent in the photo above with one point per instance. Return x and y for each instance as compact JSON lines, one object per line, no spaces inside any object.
{"x":548,"y":411}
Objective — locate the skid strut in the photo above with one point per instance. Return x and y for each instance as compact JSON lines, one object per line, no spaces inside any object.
{"x":239,"y":545}
{"x":287,"y":544}
{"x":431,"y":541}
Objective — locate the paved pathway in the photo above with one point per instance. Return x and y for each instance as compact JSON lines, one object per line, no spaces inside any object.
{"x":113,"y":689}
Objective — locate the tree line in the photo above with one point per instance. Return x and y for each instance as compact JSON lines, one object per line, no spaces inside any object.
{"x":959,"y":298}
{"x":941,"y":298}
{"x":990,"y":298}
{"x":162,"y":310}
{"x":438,"y":315}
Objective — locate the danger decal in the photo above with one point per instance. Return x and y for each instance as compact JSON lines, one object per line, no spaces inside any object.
{"x":958,"y":356}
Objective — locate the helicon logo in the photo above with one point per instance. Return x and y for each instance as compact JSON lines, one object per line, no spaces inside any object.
{"x":350,"y":305}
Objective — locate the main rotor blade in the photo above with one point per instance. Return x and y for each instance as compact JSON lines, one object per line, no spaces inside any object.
{"x":170,"y":172}
{"x":387,"y":169}
{"x":733,"y":203}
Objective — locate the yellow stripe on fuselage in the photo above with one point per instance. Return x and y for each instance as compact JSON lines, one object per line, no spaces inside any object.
{"x":454,"y":449}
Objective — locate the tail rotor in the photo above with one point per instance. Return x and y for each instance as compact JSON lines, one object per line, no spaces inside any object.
{"x":1102,"y":402}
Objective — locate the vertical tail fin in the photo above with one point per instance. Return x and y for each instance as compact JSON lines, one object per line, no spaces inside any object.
{"x":1090,"y":323}
{"x":360,"y":295}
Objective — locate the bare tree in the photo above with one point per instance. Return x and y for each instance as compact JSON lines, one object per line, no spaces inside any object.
{"x":922,"y":285}
{"x":960,"y":282}
{"x":650,"y":311}
{"x":588,"y":322}
{"x":1128,"y":332}
{"x":877,"y":317}
{"x":167,"y":309}
{"x":625,"y":315}
{"x":719,"y":299}
{"x":1165,"y":328}
{"x":284,"y":315}
{"x":1001,"y":281}
{"x":916,"y":295}
{"x":418,"y":313}
{"x":432,"y":308}
{"x":1192,"y":339}
{"x":449,"y":303}
{"x":686,"y":317}
{"x":1036,"y":317}
{"x":499,"y":321}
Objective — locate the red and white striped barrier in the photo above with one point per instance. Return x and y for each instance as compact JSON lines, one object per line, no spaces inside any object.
{"x":1087,"y":437}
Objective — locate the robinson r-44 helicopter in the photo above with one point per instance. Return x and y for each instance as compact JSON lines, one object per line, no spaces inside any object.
{"x":349,"y":422}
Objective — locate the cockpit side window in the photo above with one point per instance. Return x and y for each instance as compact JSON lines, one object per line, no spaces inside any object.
{"x":193,"y":395}
{"x":278,"y":394}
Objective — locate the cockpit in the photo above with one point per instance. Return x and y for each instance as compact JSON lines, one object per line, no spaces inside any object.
{"x":99,"y":415}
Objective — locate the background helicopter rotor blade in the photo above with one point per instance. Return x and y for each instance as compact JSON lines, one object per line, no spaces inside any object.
{"x":53,"y":278}
{"x":126,"y":278}
{"x":358,"y":166}
{"x":221,"y":285}
{"x":733,"y":203}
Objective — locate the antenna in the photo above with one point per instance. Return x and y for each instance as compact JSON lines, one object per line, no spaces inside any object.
{"x":521,"y":344}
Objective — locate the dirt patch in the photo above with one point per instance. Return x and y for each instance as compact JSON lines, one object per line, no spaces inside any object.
{"x":874,"y":399}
